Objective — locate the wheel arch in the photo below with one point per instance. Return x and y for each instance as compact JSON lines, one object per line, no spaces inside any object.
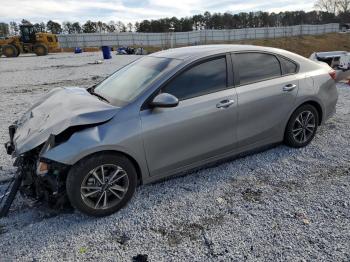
{"x":117,"y":152}
{"x":312,"y":102}
{"x":318,"y":108}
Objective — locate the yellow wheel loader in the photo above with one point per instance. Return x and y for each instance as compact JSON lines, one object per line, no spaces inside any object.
{"x":29,"y":42}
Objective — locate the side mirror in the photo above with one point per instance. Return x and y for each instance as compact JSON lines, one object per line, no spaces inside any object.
{"x":165,"y":100}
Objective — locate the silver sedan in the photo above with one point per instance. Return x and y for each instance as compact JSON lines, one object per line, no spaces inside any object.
{"x":164,"y":114}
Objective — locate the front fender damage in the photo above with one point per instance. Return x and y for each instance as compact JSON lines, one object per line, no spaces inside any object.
{"x":59,"y":110}
{"x":79,"y":145}
{"x":51,"y":122}
{"x":46,"y":179}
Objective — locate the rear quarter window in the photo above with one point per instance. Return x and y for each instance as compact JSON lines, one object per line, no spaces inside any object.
{"x":288,"y":66}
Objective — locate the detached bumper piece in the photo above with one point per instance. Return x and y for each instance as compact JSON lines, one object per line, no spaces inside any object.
{"x":9,"y":194}
{"x":9,"y":146}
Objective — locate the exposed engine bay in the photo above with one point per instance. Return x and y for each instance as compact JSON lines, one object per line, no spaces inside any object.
{"x":43,"y":181}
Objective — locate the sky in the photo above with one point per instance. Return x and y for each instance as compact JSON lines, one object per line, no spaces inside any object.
{"x":134,"y":10}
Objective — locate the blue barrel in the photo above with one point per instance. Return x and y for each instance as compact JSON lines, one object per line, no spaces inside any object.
{"x":106,"y":50}
{"x":78,"y":50}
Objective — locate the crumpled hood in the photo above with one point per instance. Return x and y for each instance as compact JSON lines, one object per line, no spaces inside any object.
{"x":58,"y":110}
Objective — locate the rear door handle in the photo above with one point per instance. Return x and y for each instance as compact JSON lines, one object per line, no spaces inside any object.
{"x":225,"y":103}
{"x":289,"y":87}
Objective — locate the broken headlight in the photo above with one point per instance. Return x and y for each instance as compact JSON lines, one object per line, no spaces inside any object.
{"x":43,"y":167}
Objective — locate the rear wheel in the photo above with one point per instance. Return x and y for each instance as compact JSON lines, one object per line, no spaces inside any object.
{"x":101,"y":184}
{"x":9,"y":51}
{"x":40,"y":49}
{"x":302,"y":126}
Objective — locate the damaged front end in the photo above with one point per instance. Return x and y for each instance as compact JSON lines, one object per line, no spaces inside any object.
{"x":37,"y":179}
{"x":50,"y":122}
{"x":43,"y":180}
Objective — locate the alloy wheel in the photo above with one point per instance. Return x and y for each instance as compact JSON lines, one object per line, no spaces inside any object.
{"x":104,"y":186}
{"x":304,"y":127}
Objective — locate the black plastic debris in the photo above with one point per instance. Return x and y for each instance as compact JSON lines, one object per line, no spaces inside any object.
{"x":140,"y":258}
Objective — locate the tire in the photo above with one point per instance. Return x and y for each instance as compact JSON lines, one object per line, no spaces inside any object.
{"x":9,"y":51}
{"x":40,"y":49}
{"x":302,"y":126}
{"x":82,"y":181}
{"x":11,"y":190}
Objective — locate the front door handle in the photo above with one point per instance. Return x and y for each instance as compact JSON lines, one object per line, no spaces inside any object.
{"x":289,"y":87}
{"x":225,"y":103}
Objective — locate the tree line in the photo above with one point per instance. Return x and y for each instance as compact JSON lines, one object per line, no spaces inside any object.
{"x":234,"y":21}
{"x":329,"y":11}
{"x":67,"y":27}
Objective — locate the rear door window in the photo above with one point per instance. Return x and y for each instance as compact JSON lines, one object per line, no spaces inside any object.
{"x":204,"y":78}
{"x":255,"y":67}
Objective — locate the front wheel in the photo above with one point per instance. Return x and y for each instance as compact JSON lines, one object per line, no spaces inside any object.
{"x":10,"y":51}
{"x":302,"y":126}
{"x":101,"y":184}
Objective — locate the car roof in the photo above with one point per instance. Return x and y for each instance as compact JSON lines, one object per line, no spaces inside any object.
{"x":194,"y":52}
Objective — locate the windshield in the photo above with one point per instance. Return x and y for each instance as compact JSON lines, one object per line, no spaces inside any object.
{"x":128,"y":82}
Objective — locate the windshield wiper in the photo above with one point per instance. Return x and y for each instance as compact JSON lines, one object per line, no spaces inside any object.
{"x":92,"y":91}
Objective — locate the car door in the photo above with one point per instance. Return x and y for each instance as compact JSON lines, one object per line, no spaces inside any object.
{"x":203,"y":124}
{"x":267,"y":88}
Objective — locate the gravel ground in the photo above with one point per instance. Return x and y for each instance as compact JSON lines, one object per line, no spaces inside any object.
{"x":281,"y":204}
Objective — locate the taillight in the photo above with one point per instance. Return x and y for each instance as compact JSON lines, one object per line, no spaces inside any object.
{"x":333,"y":74}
